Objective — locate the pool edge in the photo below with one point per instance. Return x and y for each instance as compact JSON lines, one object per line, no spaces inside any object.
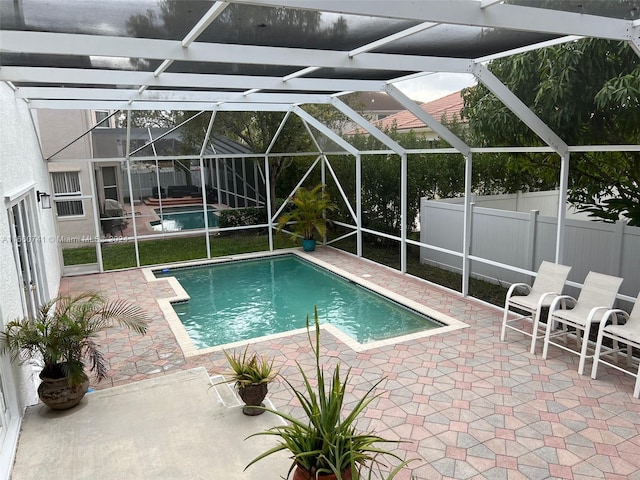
{"x":189,"y":349}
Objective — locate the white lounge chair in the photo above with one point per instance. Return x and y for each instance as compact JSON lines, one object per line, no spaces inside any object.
{"x":548,"y":284}
{"x":628,"y":333}
{"x":598,"y":295}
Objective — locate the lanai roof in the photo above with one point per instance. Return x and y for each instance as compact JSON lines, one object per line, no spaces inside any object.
{"x":273,"y":54}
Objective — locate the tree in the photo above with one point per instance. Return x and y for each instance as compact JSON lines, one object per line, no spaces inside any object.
{"x":588,"y":92}
{"x":260,"y":25}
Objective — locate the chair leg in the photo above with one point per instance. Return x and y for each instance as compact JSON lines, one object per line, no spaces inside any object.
{"x":583,"y":349}
{"x":547,"y":336}
{"x":503,"y":331}
{"x":636,"y":390}
{"x":534,"y":330}
{"x":596,"y":355}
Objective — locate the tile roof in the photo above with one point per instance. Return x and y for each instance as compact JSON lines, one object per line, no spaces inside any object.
{"x":446,"y":107}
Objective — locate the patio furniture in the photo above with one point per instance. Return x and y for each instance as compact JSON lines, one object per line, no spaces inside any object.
{"x":627,"y":333}
{"x":113,"y":218}
{"x":576,"y":316}
{"x":548,"y":284}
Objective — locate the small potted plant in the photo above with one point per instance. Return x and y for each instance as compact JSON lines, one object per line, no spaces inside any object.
{"x":326,"y":444}
{"x":62,"y":337}
{"x":307,"y":215}
{"x":251,"y":374}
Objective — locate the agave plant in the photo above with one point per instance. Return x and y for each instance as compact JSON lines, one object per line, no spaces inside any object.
{"x":327,"y":442}
{"x":250,"y":369}
{"x":65,"y":331}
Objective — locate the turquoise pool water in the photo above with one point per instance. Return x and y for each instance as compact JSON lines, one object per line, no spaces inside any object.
{"x":237,"y":301}
{"x":175,"y":219}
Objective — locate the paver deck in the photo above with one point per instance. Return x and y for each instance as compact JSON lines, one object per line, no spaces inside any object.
{"x":469,"y":405}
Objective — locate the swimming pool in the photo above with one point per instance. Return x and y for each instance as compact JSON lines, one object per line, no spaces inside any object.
{"x":235,"y":301}
{"x":190,"y":217}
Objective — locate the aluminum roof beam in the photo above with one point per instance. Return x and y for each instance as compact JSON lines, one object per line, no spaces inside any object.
{"x":470,"y":12}
{"x":183,"y":80}
{"x":186,"y":106}
{"x":428,"y":120}
{"x":53,"y":93}
{"x":523,"y":112}
{"x":373,"y":131}
{"x":93,"y":45}
{"x":325,"y":130}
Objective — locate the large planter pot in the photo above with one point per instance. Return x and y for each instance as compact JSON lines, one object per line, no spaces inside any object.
{"x":309,"y":245}
{"x":301,"y":474}
{"x":253,"y":395}
{"x":56,"y":393}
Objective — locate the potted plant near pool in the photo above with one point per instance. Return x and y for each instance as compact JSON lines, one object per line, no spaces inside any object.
{"x":326,"y":443}
{"x":63,"y":338}
{"x":307,"y":215}
{"x":251,"y":374}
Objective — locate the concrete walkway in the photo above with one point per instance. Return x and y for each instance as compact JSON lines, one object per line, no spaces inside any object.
{"x":173,"y":427}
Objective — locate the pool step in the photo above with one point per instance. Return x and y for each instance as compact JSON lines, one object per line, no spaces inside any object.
{"x":225,"y":392}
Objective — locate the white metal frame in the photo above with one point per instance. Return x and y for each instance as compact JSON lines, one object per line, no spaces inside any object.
{"x":206,"y":92}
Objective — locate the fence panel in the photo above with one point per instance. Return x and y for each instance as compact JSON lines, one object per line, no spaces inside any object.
{"x":525,"y":240}
{"x":442,"y":227}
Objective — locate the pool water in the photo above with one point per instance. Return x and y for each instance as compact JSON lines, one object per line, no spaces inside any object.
{"x":175,"y":219}
{"x":238,"y":301}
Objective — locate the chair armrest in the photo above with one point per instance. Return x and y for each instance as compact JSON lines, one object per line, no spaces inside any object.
{"x":544,"y":296}
{"x":514,"y":286}
{"x":594,"y":311}
{"x":613,"y":315}
{"x":559,"y":303}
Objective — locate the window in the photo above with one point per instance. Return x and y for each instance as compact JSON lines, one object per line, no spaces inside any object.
{"x":110,"y":183}
{"x":101,"y":115}
{"x":67,"y":184}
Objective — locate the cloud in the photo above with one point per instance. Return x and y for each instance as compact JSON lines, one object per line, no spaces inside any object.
{"x":436,"y":85}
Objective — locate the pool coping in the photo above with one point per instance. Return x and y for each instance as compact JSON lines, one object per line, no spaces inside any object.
{"x":189,"y":349}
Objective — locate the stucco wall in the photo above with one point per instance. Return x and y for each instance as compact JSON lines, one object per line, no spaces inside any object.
{"x":22,"y":167}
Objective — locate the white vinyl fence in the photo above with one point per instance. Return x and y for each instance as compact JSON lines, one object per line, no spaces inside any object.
{"x":524,"y":240}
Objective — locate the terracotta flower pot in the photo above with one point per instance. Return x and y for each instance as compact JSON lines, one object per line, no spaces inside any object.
{"x":301,"y":474}
{"x":253,"y":395}
{"x":56,"y":393}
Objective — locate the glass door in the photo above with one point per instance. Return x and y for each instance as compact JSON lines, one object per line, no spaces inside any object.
{"x":27,"y":252}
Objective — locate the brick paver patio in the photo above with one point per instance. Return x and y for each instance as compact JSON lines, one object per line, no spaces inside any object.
{"x":470,"y":405}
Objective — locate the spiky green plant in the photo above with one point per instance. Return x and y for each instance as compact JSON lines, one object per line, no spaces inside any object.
{"x":248,"y":369}
{"x":308,"y":213}
{"x":64,"y":333}
{"x":325,"y":441}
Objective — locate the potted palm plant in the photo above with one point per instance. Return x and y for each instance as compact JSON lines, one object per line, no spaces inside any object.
{"x":307,"y":215}
{"x":251,"y":374}
{"x":326,"y":444}
{"x":62,"y":337}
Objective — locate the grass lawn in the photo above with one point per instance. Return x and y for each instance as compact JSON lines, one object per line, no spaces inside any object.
{"x":176,"y":249}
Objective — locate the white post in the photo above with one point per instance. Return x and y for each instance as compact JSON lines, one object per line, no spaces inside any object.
{"x":133,"y":213}
{"x":359,"y":205}
{"x":403,"y":213}
{"x":562,"y":207}
{"x":267,"y":178}
{"x":468,"y":212}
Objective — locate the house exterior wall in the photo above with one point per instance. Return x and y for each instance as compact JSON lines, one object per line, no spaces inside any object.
{"x":22,"y":169}
{"x":57,"y":129}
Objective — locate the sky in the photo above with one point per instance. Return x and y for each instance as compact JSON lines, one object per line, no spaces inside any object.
{"x":437,"y":85}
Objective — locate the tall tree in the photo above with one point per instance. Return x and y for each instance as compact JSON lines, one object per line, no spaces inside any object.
{"x":588,"y":92}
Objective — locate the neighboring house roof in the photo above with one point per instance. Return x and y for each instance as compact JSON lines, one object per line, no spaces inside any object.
{"x":446,"y":107}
